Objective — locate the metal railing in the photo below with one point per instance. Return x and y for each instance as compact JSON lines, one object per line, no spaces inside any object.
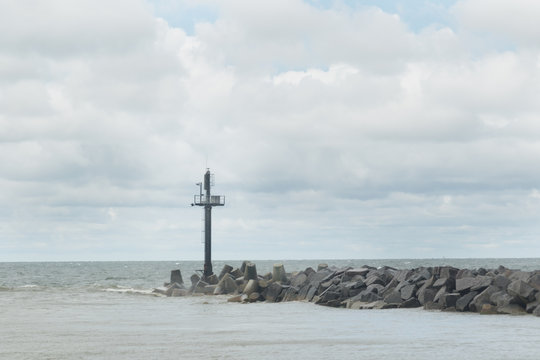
{"x":213,"y":200}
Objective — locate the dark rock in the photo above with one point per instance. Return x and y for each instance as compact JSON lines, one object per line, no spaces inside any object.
{"x":521,"y":289}
{"x":291,"y":294}
{"x":536,"y":311}
{"x":328,"y":296}
{"x":226,"y":270}
{"x":441,"y":282}
{"x":482,"y":298}
{"x":410,"y":303}
{"x":448,"y":300}
{"x":357,"y":271}
{"x":462,"y":304}
{"x":243,"y":266}
{"x":375,"y":288}
{"x":302,"y":293}
{"x":408,"y":291}
{"x":393,"y":297}
{"x":448,"y":272}
{"x":226,"y":285}
{"x":426,"y":295}
{"x":278,"y":273}
{"x":250,"y":272}
{"x":263,"y":284}
{"x":502,"y":298}
{"x":309,"y":271}
{"x":322,"y":267}
{"x":251,"y":287}
{"x":212,"y":279}
{"x":299,"y":280}
{"x":501,"y":282}
{"x":440,"y":293}
{"x":534,"y":281}
{"x":236,"y":273}
{"x":375,"y":279}
{"x":465,"y":273}
{"x":531,"y":306}
{"x":273,"y":292}
{"x":176,"y":277}
{"x":367,"y":295}
{"x":481,"y":271}
{"x":420,"y":274}
{"x":351,"y":288}
{"x":194,"y":280}
{"x":402,"y":275}
{"x":520,"y":275}
{"x":476,"y":284}
{"x":311,"y":293}
{"x":511,"y":309}
{"x":316,"y":278}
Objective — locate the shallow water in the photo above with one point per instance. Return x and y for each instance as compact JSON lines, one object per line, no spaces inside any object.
{"x":106,"y":311}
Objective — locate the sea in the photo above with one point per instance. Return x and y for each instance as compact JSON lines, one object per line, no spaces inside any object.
{"x":106,"y":310}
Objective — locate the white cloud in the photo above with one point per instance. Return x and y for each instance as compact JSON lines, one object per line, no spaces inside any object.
{"x":329,"y":130}
{"x":513,"y":21}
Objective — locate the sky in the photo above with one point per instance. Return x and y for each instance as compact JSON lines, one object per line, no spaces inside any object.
{"x":335,"y":129}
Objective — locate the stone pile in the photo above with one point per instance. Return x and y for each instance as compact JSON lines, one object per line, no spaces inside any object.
{"x":495,"y":291}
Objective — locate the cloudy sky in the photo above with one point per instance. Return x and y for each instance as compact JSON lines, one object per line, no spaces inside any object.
{"x":336,"y":129}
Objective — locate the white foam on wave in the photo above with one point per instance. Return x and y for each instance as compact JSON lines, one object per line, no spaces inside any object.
{"x":126,"y":290}
{"x":28,"y":286}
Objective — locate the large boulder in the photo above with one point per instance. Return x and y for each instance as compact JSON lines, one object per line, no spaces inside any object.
{"x":501,"y":282}
{"x":477,"y":283}
{"x":226,"y":270}
{"x":251,"y":287}
{"x":462,"y":304}
{"x":410,"y":303}
{"x":520,"y":275}
{"x":426,"y":295}
{"x":394,"y":297}
{"x":278,"y":273}
{"x":483,"y":298}
{"x":511,"y":309}
{"x":408,"y":291}
{"x":226,"y":285}
{"x":534,"y":281}
{"x":250,"y":272}
{"x":176,"y":277}
{"x":448,"y":300}
{"x":420,"y":274}
{"x":357,"y":271}
{"x":522,"y":290}
{"x":502,"y":298}
{"x":291,"y":294}
{"x":273,"y":292}
{"x":299,"y":280}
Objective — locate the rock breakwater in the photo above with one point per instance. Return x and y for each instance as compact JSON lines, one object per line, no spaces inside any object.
{"x":445,"y":288}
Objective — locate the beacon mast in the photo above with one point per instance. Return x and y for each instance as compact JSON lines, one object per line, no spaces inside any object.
{"x":208,"y":201}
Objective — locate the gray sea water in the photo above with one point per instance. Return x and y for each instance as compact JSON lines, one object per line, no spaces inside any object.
{"x":105,"y":310}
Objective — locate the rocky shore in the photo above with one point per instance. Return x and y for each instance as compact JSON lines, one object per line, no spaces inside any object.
{"x":484,"y":291}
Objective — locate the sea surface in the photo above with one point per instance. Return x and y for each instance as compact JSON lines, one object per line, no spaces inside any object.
{"x":106,"y":310}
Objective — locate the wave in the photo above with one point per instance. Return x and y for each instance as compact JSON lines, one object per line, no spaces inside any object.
{"x":128,"y":290}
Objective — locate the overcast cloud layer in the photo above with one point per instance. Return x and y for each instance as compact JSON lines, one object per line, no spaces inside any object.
{"x":336,"y":130}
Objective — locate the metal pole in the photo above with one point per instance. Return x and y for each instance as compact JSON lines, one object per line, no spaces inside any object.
{"x":208,"y":241}
{"x":207,"y":227}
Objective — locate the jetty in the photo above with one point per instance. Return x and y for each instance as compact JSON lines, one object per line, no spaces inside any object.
{"x":444,"y":288}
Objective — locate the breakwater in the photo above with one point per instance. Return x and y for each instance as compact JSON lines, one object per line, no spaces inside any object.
{"x":445,"y":288}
